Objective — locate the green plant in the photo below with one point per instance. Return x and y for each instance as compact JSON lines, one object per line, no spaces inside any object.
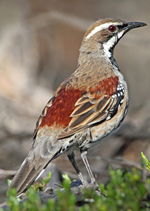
{"x":125,"y":191}
{"x":145,"y":161}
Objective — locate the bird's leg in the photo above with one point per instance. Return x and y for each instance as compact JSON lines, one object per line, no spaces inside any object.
{"x":93,"y":181}
{"x":73,"y":162}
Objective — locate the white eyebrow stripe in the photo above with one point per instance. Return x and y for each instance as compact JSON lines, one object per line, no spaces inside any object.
{"x":99,"y":28}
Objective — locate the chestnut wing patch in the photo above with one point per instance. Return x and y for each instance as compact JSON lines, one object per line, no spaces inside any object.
{"x":77,"y":109}
{"x":58,"y":110}
{"x":94,"y":108}
{"x":86,"y":113}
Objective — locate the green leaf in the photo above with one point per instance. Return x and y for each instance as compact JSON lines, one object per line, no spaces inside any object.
{"x":8,"y":182}
{"x":66,"y":178}
{"x":146,"y":162}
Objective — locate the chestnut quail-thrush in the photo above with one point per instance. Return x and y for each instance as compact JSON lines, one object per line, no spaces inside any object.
{"x":85,"y":108}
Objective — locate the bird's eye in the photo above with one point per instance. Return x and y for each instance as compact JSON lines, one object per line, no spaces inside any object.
{"x":112,"y":28}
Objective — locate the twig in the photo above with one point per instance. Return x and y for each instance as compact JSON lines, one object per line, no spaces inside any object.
{"x":4,"y":174}
{"x":120,"y":162}
{"x":44,"y":19}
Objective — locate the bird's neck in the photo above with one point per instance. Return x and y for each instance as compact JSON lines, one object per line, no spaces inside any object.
{"x":98,"y":54}
{"x":103,"y":52}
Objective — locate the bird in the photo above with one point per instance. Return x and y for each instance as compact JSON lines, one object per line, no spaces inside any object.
{"x":84,"y":109}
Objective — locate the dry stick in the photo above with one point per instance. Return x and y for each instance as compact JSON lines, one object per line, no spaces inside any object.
{"x":4,"y":174}
{"x":120,"y":162}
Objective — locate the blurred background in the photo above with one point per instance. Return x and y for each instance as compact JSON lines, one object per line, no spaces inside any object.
{"x":39,"y":43}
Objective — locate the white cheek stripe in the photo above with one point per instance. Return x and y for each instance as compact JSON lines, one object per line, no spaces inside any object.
{"x":99,"y":28}
{"x":120,"y":34}
{"x":108,"y":45}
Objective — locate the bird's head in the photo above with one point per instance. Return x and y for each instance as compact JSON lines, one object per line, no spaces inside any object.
{"x":104,"y":34}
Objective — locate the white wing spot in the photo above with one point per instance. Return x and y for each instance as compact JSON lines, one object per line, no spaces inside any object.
{"x":108,"y":117}
{"x":121,"y":101}
{"x":113,"y":96}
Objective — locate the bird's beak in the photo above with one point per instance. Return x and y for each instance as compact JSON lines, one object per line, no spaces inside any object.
{"x":132,"y":25}
{"x":129,"y":26}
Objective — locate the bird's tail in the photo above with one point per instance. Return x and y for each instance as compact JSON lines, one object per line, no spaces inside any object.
{"x":34,"y":164}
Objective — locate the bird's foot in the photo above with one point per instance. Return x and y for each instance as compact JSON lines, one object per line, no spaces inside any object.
{"x":87,"y":185}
